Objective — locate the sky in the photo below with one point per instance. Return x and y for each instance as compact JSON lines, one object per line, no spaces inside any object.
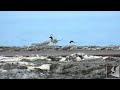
{"x":22,"y":28}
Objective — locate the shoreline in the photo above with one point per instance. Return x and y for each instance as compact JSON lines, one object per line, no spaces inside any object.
{"x":115,"y":53}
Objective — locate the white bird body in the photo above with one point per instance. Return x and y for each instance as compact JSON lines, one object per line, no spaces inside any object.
{"x":69,"y":47}
{"x":45,"y":43}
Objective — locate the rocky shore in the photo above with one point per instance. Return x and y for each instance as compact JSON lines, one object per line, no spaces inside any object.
{"x":73,"y":66}
{"x":49,"y":47}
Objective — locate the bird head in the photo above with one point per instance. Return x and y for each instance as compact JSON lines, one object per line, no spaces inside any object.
{"x":72,"y":42}
{"x":51,"y":37}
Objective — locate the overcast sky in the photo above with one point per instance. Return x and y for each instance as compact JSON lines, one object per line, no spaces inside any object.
{"x":18,"y":28}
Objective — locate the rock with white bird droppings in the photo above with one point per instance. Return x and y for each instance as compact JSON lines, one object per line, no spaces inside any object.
{"x":104,"y":58}
{"x":78,"y":59}
{"x":48,"y":59}
{"x":35,"y":58}
{"x":30,"y":68}
{"x":63,"y":59}
{"x":83,"y":56}
{"x":115,"y":72}
{"x":10,"y":59}
{"x":53,"y":58}
{"x":88,"y":57}
{"x":44,"y":67}
{"x":42,"y":57}
{"x":30,"y":58}
{"x":26,"y":63}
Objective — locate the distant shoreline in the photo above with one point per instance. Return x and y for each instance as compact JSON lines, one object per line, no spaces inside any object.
{"x":61,"y":45}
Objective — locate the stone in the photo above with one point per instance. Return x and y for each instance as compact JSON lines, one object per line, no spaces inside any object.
{"x":44,"y":67}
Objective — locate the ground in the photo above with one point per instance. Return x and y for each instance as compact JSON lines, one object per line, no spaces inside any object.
{"x":84,"y":69}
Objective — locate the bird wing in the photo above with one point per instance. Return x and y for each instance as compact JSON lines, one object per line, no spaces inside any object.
{"x":45,"y":43}
{"x":66,"y":47}
{"x":41,"y":44}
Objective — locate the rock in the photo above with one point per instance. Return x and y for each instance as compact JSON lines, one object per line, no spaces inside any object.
{"x":22,"y":67}
{"x":9,"y":66}
{"x":25,"y":60}
{"x":42,"y":57}
{"x":112,"y":58}
{"x":115,"y":72}
{"x":3,"y":71}
{"x":92,"y":57}
{"x":78,"y":59}
{"x":48,"y":59}
{"x":67,"y":58}
{"x":25,"y":63}
{"x":54,"y":67}
{"x":76,"y":56}
{"x":60,"y":57}
{"x":60,"y":69}
{"x":104,"y":58}
{"x":52,"y":58}
{"x":44,"y":67}
{"x":82,"y":56}
{"x":63,"y":59}
{"x":10,"y":59}
{"x":30,"y":68}
{"x":34,"y":58}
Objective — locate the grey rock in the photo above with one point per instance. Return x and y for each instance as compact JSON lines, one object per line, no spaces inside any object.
{"x":9,"y":66}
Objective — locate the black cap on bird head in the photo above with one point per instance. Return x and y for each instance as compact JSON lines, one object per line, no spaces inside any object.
{"x":51,"y":36}
{"x":72,"y":42}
